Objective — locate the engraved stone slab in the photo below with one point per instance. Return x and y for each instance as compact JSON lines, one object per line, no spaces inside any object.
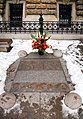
{"x":73,"y":100}
{"x":7,"y":100}
{"x":22,"y":53}
{"x":39,"y":64}
{"x":40,"y":74}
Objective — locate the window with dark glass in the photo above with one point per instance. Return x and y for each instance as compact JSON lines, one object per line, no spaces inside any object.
{"x":16,"y":15}
{"x":65,"y":15}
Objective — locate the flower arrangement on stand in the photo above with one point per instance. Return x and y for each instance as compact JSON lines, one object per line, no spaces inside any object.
{"x":39,"y":42}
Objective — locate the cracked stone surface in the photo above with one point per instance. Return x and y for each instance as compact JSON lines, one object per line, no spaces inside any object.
{"x":36,"y":105}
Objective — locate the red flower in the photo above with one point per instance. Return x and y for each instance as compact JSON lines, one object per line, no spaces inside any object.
{"x":36,"y":46}
{"x":40,"y":44}
{"x":45,"y":47}
{"x":39,"y":39}
{"x":35,"y":43}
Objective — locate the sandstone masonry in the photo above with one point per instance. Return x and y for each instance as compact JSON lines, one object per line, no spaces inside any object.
{"x":45,"y":7}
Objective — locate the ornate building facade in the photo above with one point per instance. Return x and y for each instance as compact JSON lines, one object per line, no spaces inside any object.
{"x":51,"y":9}
{"x":22,"y":16}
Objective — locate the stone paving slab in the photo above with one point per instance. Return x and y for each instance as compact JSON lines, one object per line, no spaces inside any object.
{"x":42,"y":105}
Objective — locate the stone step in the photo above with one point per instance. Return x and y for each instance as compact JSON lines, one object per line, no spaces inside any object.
{"x":5,"y":45}
{"x":5,"y":41}
{"x":5,"y":49}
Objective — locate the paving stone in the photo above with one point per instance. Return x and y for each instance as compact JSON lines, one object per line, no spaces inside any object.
{"x":50,"y":106}
{"x":40,"y":105}
{"x":31,"y":102}
{"x":32,"y":97}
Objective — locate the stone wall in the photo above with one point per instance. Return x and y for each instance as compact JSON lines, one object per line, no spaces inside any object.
{"x":45,"y":7}
{"x":79,"y":9}
{"x":2,"y":5}
{"x":36,"y":7}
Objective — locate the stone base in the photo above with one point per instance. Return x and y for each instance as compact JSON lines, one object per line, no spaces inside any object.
{"x":5,"y":49}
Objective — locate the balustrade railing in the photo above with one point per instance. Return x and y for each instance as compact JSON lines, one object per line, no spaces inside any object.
{"x":34,"y":26}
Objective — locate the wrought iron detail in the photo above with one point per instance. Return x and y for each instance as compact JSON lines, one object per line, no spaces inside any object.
{"x":34,"y":26}
{"x":41,"y":24}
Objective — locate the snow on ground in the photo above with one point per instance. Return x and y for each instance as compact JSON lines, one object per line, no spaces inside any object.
{"x":71,"y":53}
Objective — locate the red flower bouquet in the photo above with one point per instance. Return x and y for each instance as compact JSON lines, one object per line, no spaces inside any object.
{"x":39,"y":42}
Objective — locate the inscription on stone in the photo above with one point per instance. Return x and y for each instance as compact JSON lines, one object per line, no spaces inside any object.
{"x":40,"y":64}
